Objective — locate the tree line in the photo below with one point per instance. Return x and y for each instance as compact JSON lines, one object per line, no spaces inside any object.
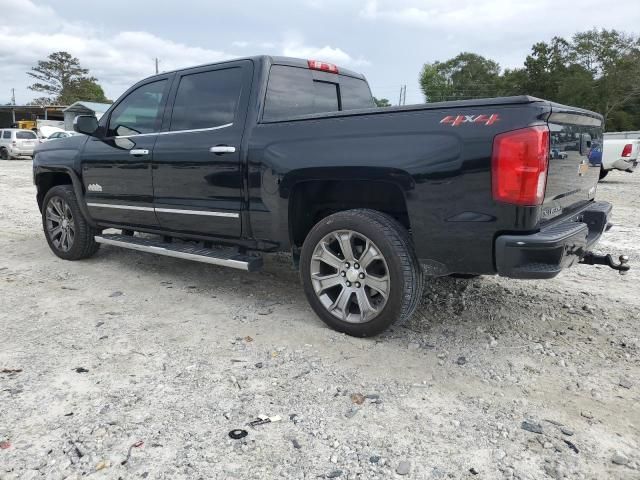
{"x":597,"y":69}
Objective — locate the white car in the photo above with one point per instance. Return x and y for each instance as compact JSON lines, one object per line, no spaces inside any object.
{"x":619,"y":154}
{"x":15,"y":142}
{"x":62,"y":134}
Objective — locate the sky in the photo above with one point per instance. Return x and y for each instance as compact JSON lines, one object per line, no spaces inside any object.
{"x":387,"y":40}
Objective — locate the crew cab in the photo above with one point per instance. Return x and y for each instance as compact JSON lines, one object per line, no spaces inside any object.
{"x":224,"y":162}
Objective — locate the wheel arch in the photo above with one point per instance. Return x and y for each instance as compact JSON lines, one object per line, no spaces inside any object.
{"x":48,"y":177}
{"x":310,"y":200}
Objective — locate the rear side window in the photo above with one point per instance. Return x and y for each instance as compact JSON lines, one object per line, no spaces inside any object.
{"x":25,"y":135}
{"x":6,"y":134}
{"x":355,"y":93}
{"x":293,"y":91}
{"x":207,"y":99}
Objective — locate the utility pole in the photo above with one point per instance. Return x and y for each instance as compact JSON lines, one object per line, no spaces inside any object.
{"x":403,"y":95}
{"x":13,"y":96}
{"x":157,"y":61}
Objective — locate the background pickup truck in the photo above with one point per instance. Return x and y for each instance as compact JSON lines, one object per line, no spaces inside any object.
{"x":619,"y":154}
{"x":271,"y":154}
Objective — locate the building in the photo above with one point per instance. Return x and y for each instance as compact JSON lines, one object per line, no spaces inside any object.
{"x":83,"y":108}
{"x":10,"y":115}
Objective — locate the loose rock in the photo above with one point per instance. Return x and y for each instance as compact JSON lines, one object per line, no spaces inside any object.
{"x":619,"y":458}
{"x":404,"y":467}
{"x":531,"y":426}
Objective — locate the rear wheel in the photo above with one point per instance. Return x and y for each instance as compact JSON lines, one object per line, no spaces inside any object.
{"x":360,"y":273}
{"x":603,"y":173}
{"x":4,"y":154}
{"x":68,"y":234}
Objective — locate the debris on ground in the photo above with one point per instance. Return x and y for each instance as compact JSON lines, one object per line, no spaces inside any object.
{"x":404,"y":467}
{"x":263,"y":420}
{"x":620,"y":458}
{"x":531,"y":426}
{"x":357,"y":398}
{"x":137,"y":444}
{"x":238,"y":434}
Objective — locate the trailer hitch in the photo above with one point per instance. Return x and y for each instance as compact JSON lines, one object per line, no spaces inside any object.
{"x":591,"y":258}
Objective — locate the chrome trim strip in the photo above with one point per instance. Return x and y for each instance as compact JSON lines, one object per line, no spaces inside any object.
{"x":226,"y":125}
{"x":120,"y":207}
{"x":165,"y":210}
{"x":172,"y":253}
{"x":198,"y":212}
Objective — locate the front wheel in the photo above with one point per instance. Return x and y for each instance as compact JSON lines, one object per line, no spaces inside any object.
{"x":68,"y":234}
{"x":360,"y":273}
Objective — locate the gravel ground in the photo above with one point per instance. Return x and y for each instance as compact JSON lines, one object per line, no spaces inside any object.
{"x":129,"y":365}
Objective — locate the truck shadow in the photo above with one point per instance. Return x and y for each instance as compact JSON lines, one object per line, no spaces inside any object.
{"x":447,"y":304}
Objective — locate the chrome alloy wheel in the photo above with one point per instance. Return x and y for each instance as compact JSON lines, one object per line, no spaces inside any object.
{"x":350,"y":276}
{"x":61,"y":226}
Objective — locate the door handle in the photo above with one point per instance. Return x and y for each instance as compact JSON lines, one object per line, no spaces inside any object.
{"x":222,"y":149}
{"x":137,"y":152}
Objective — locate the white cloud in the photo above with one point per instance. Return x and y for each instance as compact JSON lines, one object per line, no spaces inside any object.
{"x":461,"y":13}
{"x":326,"y":53}
{"x":499,"y":17}
{"x":117,"y":59}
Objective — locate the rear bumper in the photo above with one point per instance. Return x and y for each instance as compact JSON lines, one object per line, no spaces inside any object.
{"x":21,"y":152}
{"x":546,"y":253}
{"x":625,"y":164}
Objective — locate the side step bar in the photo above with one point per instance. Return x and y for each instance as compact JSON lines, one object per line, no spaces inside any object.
{"x":224,"y":258}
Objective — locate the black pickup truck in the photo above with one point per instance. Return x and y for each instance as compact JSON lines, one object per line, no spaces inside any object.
{"x":218,"y":163}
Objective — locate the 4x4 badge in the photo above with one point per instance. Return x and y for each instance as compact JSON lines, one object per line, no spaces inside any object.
{"x":456,"y":120}
{"x":94,"y":187}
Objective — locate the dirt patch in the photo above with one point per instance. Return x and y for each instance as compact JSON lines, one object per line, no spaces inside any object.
{"x":136,"y":366}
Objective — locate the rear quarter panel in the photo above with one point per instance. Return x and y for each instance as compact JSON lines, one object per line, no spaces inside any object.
{"x":443,"y":170}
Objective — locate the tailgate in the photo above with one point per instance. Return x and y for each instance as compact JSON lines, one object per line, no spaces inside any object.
{"x":574,"y":160}
{"x":26,"y":144}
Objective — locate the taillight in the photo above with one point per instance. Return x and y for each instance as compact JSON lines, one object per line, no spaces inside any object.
{"x":14,"y":143}
{"x":323,"y":66}
{"x":519,"y":166}
{"x":626,"y":151}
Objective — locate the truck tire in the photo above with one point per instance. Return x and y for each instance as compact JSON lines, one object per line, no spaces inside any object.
{"x":67,"y":232}
{"x":360,"y":273}
{"x":4,"y":154}
{"x":603,"y":173}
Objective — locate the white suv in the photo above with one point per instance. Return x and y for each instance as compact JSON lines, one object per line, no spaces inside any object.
{"x":17,"y":143}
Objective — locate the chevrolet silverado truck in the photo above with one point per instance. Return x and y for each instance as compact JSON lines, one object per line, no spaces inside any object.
{"x":225,"y":162}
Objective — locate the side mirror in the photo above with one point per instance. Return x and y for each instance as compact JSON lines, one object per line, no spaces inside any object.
{"x":86,"y":124}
